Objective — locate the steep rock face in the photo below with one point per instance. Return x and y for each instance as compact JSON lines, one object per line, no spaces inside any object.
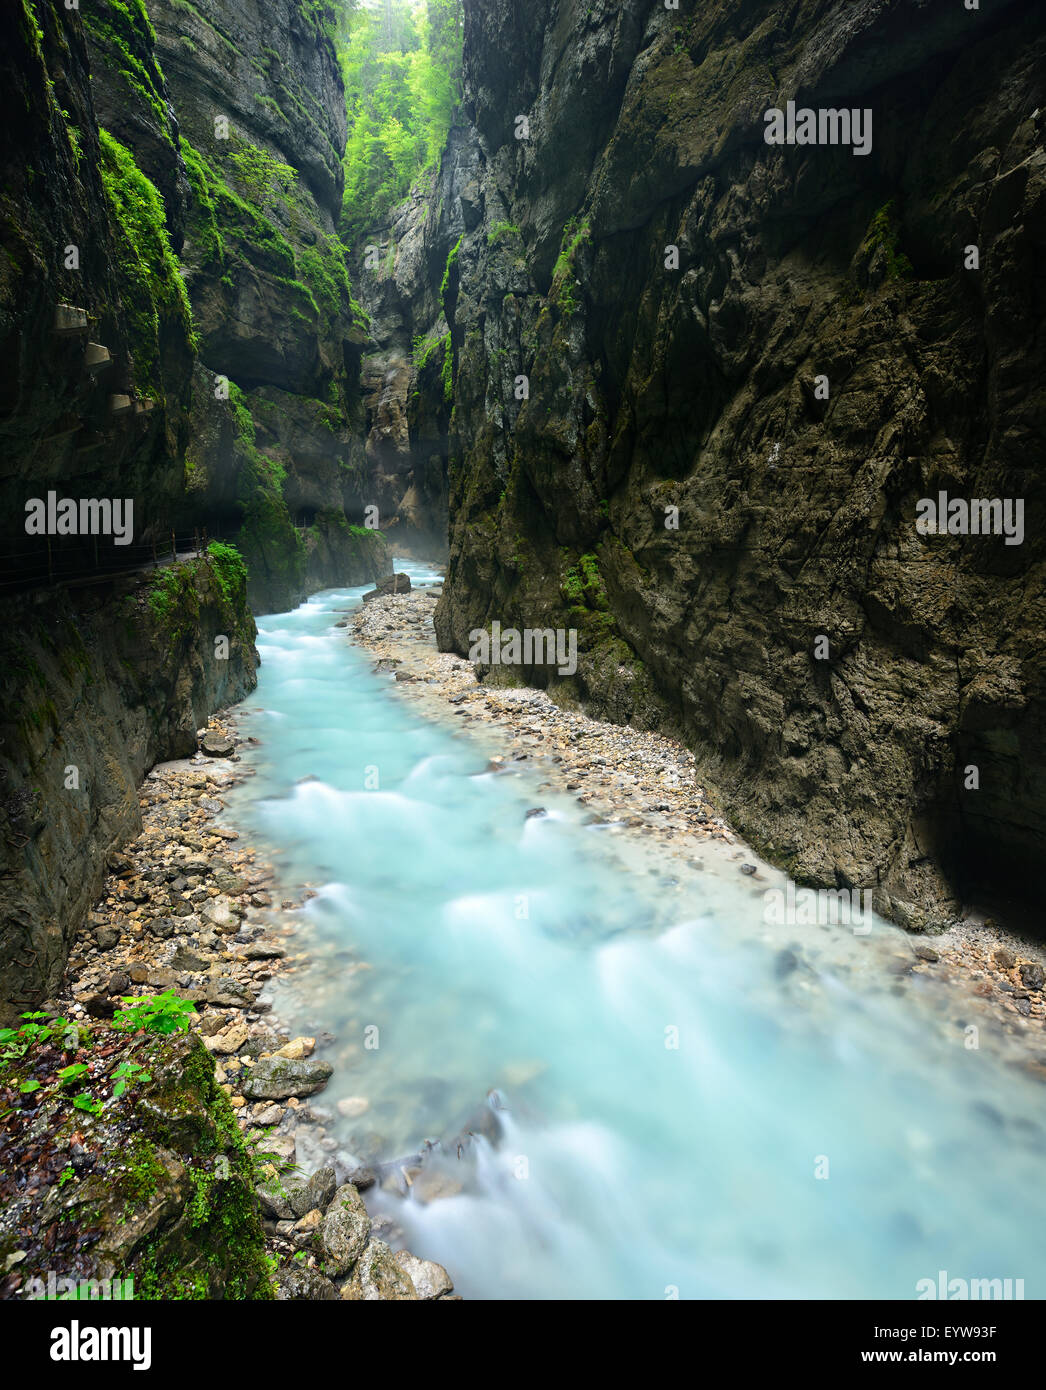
{"x":651,"y":388}
{"x":94,"y":398}
{"x":101,"y":679}
{"x":132,"y":101}
{"x":261,"y":114}
{"x":407,"y":371}
{"x":98,"y":684}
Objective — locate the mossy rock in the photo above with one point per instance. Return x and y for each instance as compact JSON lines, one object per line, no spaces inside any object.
{"x":166,"y":1192}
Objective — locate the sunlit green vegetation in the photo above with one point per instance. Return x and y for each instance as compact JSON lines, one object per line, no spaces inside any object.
{"x":401,"y":63}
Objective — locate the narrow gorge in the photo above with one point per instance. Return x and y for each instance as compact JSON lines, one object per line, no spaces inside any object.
{"x":522,"y":636}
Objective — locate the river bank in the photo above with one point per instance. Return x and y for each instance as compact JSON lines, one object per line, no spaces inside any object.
{"x":187,"y":906}
{"x":522,"y":901}
{"x":647,"y":785}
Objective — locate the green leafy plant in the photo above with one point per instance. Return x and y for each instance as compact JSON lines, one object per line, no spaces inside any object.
{"x":128,"y":1074}
{"x":230,"y":570}
{"x":85,"y":1101}
{"x":502,"y":229}
{"x":67,"y":1075}
{"x":162,"y":1013}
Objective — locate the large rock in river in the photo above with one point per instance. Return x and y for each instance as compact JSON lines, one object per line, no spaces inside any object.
{"x":277,"y":1078}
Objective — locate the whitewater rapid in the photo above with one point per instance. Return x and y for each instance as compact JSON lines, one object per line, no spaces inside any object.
{"x":691,"y":1102}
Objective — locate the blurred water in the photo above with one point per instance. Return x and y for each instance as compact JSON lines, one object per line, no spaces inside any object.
{"x":552,"y":962}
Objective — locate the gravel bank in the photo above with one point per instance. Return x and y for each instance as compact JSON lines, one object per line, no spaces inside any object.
{"x":648,"y":785}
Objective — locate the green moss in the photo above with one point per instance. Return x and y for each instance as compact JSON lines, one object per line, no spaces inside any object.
{"x":324,"y":271}
{"x":231,"y":229}
{"x":164,"y":591}
{"x":222,"y":1248}
{"x":261,"y":174}
{"x":562,"y":289}
{"x":447,"y":373}
{"x":228,"y":226}
{"x":204,"y":226}
{"x":122,"y":28}
{"x":140,"y":1172}
{"x":583,"y":586}
{"x":151,"y":289}
{"x":271,"y":104}
{"x":449,"y":270}
{"x":883,"y":235}
{"x":187,"y":7}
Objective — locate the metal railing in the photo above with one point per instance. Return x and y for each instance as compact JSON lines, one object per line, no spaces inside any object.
{"x":49,"y":567}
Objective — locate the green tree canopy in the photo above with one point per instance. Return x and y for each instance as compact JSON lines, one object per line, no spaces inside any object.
{"x":401,"y":63}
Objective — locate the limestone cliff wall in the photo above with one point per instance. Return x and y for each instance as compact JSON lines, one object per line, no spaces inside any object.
{"x":97,"y":684}
{"x":697,"y":388}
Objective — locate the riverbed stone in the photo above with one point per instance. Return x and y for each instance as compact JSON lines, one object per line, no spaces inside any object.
{"x":352,"y":1107}
{"x":297,"y":1049}
{"x":1032,"y":975}
{"x":217,"y":745}
{"x":430,"y":1280}
{"x":314,"y":1193}
{"x":229,"y":1040}
{"x":377,"y":1276}
{"x":346,"y":1229}
{"x":185,"y":958}
{"x":219,"y":913}
{"x":277,"y":1078}
{"x":298,"y":1283}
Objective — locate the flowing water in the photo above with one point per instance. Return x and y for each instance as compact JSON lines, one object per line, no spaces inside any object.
{"x":688,"y":1099}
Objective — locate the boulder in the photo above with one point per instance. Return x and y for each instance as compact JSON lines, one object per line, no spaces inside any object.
{"x":393,"y":584}
{"x":316,"y":1192}
{"x":297,"y":1283}
{"x":217,"y":745}
{"x":377,"y":1276}
{"x":346,"y":1229}
{"x":276,"y":1078}
{"x":430,"y":1280}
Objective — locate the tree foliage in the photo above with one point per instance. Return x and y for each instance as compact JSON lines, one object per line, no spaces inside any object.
{"x":401,"y":63}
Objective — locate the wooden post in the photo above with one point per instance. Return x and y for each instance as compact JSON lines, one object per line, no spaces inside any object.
{"x":174,"y":548}
{"x":155,"y":560}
